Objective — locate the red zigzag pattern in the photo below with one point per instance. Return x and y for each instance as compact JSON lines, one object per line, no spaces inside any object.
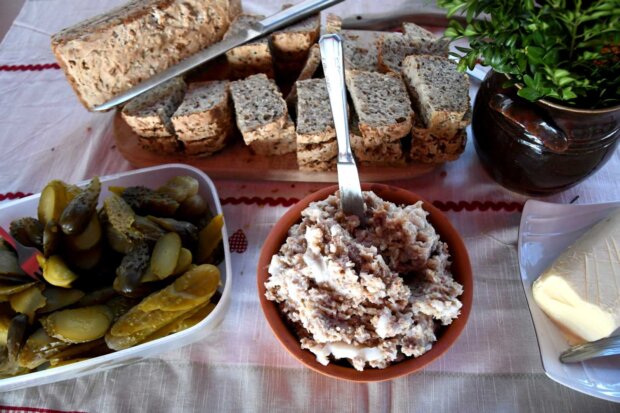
{"x":445,"y":206}
{"x":28,"y":68}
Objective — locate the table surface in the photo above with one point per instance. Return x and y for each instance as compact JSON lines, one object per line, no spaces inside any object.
{"x":494,"y":366}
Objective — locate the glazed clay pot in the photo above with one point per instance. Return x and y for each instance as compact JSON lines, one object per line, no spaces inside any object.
{"x":539,"y":148}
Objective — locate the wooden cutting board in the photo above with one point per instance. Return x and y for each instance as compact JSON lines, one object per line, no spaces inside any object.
{"x":236,"y":161}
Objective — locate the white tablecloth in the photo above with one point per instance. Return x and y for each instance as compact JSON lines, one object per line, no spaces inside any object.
{"x":495,"y":365}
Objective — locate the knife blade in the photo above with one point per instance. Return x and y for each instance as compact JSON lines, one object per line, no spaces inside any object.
{"x":270,"y":24}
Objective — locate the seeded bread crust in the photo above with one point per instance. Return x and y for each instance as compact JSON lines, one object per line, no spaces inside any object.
{"x":105,"y":55}
{"x":382,"y":105}
{"x":259,"y":108}
{"x":357,"y":57}
{"x":318,"y":166}
{"x":315,"y":122}
{"x":440,"y":93}
{"x":394,"y":47}
{"x":386,"y":154}
{"x":291,"y":45}
{"x":149,"y":114}
{"x":208,"y":146}
{"x":307,"y":71}
{"x":426,"y":148}
{"x":278,"y":142}
{"x":166,"y":145}
{"x":206,"y":111}
{"x":333,"y":23}
{"x":250,"y":58}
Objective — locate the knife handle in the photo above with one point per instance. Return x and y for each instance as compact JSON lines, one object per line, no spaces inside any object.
{"x":333,"y":68}
{"x":294,"y":13}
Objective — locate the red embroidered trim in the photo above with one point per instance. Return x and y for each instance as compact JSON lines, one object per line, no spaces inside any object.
{"x":32,"y":409}
{"x":11,"y":195}
{"x":444,"y":206}
{"x":28,"y":68}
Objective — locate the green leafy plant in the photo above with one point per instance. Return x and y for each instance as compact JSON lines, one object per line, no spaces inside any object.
{"x":563,"y":50}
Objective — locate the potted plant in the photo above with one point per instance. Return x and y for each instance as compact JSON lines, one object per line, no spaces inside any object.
{"x":548,"y":114}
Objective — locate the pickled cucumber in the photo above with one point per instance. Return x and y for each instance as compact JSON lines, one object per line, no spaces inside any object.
{"x":209,"y":238}
{"x":166,"y":255}
{"x":78,"y":325}
{"x":145,"y":201}
{"x":56,"y":272}
{"x":186,"y":230}
{"x":28,"y":301}
{"x":88,"y":238}
{"x":28,"y":231}
{"x":79,"y":211}
{"x":132,"y":266}
{"x":180,"y":188}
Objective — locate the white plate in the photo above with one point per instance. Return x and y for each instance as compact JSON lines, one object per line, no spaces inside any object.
{"x":152,"y":178}
{"x":545,"y":231}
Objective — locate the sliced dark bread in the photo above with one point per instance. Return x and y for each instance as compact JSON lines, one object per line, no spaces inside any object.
{"x":204,"y":121}
{"x":276,"y":141}
{"x":260,"y":111}
{"x":382,"y":105}
{"x":387,"y":153}
{"x":317,"y":156}
{"x":394,"y":47}
{"x":315,"y":122}
{"x":252,"y":57}
{"x":165,"y":144}
{"x":290,"y":46}
{"x":313,"y":61}
{"x":440,"y":93}
{"x":426,"y":148}
{"x":149,"y":114}
{"x":333,"y":23}
{"x":358,"y":57}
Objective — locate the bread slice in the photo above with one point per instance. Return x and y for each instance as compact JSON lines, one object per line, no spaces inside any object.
{"x":252,"y":57}
{"x":386,"y":154}
{"x":426,"y":148}
{"x":333,"y":23}
{"x":206,"y":111}
{"x":207,"y":146}
{"x":291,"y":45}
{"x":110,"y":53}
{"x":313,"y":61}
{"x":315,"y":122}
{"x":320,"y":156}
{"x":357,"y":57}
{"x":149,"y":113}
{"x":260,"y":110}
{"x":382,"y":105}
{"x":277,"y":142}
{"x":439,"y":93}
{"x":394,"y":47}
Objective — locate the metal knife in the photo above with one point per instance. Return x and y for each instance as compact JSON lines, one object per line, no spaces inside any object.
{"x":272,"y":23}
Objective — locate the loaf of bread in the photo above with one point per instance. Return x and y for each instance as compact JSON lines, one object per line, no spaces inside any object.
{"x":440,"y":93}
{"x":252,"y":57}
{"x":204,"y":120}
{"x":382,"y":105}
{"x":149,"y":114}
{"x":394,"y":47}
{"x":427,"y":148}
{"x":110,"y":53}
{"x":316,"y":135}
{"x":163,"y":145}
{"x":262,"y":116}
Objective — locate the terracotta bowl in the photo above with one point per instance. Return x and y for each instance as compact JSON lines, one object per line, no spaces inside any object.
{"x":446,"y":336}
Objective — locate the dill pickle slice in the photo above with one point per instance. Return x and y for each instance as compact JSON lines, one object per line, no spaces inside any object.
{"x":78,"y":212}
{"x":79,"y":352}
{"x":27,"y":231}
{"x":8,"y":289}
{"x":184,"y":262}
{"x":190,"y":290}
{"x":150,"y":230}
{"x":209,"y":238}
{"x":132,"y":266}
{"x":38,"y":347}
{"x":86,"y":260}
{"x":186,"y":230}
{"x":145,"y":201}
{"x":9,"y":265}
{"x":183,"y":322}
{"x":166,"y":255}
{"x":192,"y":208}
{"x":28,"y":301}
{"x":78,"y":325}
{"x":5,"y":321}
{"x":16,"y":335}
{"x":180,"y":187}
{"x":87,"y":238}
{"x":57,"y":298}
{"x":56,"y":272}
{"x":118,"y":241}
{"x":51,"y":238}
{"x":54,"y":199}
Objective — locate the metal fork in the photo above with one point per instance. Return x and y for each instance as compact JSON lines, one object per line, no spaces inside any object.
{"x":351,"y":198}
{"x":608,"y":346}
{"x":26,"y":256}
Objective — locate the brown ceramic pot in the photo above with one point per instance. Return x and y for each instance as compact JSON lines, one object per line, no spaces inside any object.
{"x":446,"y":336}
{"x":539,"y":148}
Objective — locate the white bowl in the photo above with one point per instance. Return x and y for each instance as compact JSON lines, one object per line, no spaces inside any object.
{"x":546,"y":230}
{"x":152,"y":178}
